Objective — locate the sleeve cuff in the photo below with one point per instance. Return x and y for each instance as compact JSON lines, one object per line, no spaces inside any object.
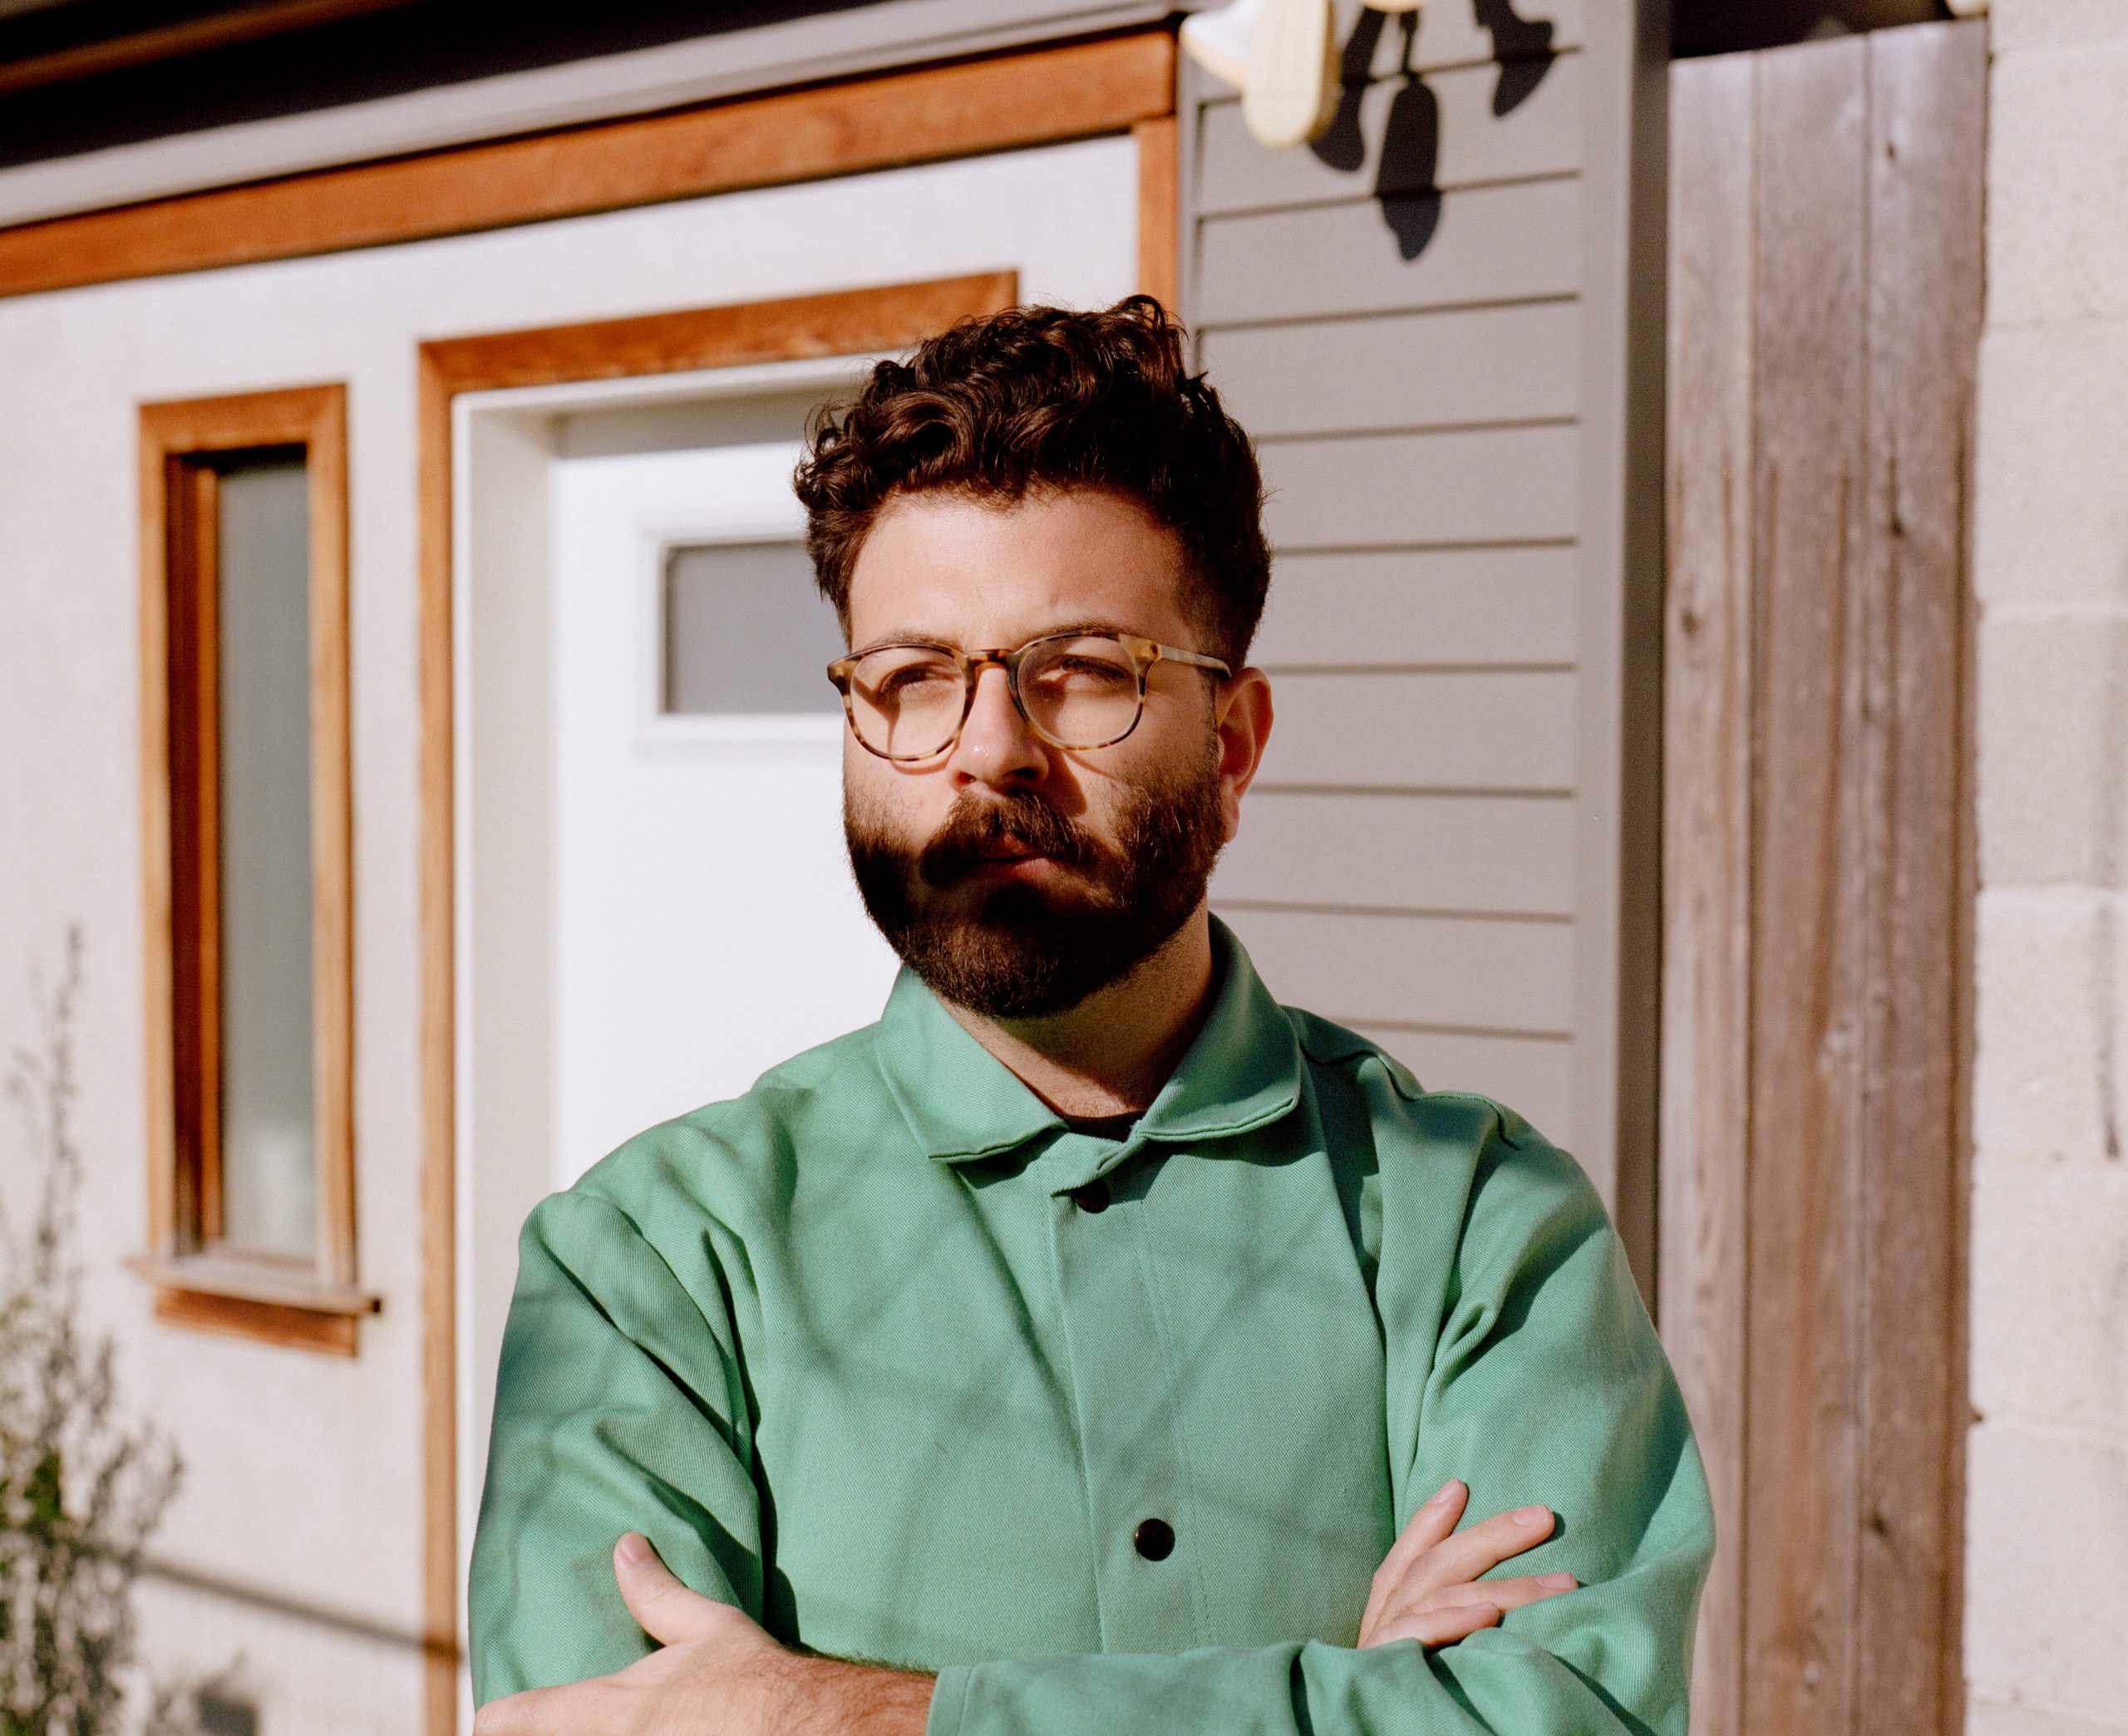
{"x":949,"y":1700}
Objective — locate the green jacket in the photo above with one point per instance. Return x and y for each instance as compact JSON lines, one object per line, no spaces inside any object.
{"x":885,"y":1355}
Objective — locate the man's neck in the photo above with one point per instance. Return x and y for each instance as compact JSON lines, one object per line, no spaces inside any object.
{"x":1110,"y":1054}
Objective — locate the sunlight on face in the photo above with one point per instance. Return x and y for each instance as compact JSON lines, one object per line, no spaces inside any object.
{"x":1014,"y":875}
{"x":977,"y":575}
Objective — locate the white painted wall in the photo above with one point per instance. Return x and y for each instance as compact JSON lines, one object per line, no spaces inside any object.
{"x":2046,"y":1563}
{"x":305,"y":1470}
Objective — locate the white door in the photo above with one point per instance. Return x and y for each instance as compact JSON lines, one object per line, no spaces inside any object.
{"x":652,"y":904}
{"x":707,"y":926}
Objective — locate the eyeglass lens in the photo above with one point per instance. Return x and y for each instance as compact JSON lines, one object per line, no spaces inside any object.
{"x":907,"y":702}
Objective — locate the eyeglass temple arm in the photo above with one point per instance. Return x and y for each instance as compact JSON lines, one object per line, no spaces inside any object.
{"x":1196,"y":660}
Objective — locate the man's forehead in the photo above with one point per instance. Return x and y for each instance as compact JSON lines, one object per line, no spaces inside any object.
{"x":956,"y":569}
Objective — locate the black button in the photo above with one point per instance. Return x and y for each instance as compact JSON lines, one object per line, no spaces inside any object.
{"x":1154,"y":1539}
{"x":1091,"y":1197}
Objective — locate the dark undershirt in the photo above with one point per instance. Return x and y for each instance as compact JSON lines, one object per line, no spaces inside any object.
{"x":1103,"y":1126}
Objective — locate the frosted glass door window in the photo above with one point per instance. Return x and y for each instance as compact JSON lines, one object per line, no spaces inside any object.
{"x":746,"y":630}
{"x":269,"y":1169}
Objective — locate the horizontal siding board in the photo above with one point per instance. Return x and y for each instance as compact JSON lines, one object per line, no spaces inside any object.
{"x":1456,"y":366}
{"x":1512,"y":854}
{"x":1469,"y":144}
{"x":1469,"y":485}
{"x":1463,"y":973}
{"x":1534,"y":1076}
{"x":1454,"y":34}
{"x":1446,"y":730}
{"x":1513,"y":242}
{"x":1451,"y":34}
{"x":1431,"y":606}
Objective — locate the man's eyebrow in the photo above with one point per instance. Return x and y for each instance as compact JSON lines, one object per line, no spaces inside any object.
{"x":916,"y":637}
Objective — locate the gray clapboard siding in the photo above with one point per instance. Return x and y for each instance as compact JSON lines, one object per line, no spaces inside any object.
{"x":1464,"y":854}
{"x":1403,"y":370}
{"x":1443,"y":360}
{"x":1450,"y":34}
{"x":1454,"y":973}
{"x":1469,"y":485}
{"x":1534,"y":1076}
{"x":1430,"y":606}
{"x":1503,"y":244}
{"x":1540,"y":136}
{"x":1450,"y":729}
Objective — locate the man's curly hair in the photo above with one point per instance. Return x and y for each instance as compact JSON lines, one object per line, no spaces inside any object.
{"x":1040,"y":398}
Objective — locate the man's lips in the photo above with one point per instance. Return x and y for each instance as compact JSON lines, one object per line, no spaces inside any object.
{"x":1004,"y":861}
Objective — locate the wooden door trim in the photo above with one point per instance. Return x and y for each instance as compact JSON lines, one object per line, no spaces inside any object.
{"x":1107,"y":84}
{"x":845,"y":323}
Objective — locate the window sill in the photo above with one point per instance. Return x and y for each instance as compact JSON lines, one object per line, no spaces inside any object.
{"x":273,"y":1301}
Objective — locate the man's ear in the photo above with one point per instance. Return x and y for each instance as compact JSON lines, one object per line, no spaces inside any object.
{"x":1243,"y":713}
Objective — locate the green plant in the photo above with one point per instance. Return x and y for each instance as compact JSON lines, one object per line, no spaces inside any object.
{"x":81,"y":1487}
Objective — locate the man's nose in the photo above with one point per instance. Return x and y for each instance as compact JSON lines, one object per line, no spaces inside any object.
{"x":996,"y":744}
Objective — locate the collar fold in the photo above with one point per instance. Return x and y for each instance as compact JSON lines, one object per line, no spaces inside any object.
{"x":961,"y":1102}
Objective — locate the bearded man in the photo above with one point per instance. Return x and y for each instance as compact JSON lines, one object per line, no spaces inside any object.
{"x":1093,"y":1344}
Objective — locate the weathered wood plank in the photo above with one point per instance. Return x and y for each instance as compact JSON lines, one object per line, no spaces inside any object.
{"x":1501,"y":243}
{"x":1434,"y":605}
{"x":1706,"y":849}
{"x":1510,"y":364}
{"x":1469,"y":485}
{"x":1440,"y":132}
{"x":1928,"y":101}
{"x":1534,"y":1076}
{"x":1404,"y":970}
{"x":1451,"y":729}
{"x":1802,"y":1501}
{"x":1512,"y":854}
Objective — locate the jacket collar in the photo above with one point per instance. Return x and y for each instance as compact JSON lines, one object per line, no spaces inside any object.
{"x":961,"y":1102}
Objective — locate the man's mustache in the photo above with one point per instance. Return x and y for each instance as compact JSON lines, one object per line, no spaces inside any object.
{"x":977,"y":825}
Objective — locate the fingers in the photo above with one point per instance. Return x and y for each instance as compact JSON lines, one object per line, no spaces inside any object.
{"x":520,"y":1715}
{"x":1477,"y":1549}
{"x":1435,"y":1627}
{"x":1432,"y":1523}
{"x":665,"y":1607}
{"x":1454,"y":1612}
{"x":1505,"y":1594}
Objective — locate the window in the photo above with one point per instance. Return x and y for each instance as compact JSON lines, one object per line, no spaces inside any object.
{"x":245,"y":707}
{"x":746,"y":632}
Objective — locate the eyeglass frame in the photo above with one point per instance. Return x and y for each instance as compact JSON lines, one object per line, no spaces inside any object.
{"x":1145,"y":653}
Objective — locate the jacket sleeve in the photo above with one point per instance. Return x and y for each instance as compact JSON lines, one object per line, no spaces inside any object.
{"x":617,"y":1408}
{"x":1539,"y":1378}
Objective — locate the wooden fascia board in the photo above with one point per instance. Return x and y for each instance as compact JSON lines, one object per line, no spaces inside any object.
{"x":1107,"y":84}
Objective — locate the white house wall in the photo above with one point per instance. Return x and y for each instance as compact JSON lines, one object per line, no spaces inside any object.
{"x":304,"y":1472}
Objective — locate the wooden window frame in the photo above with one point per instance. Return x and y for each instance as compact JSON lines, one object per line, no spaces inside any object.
{"x":315,"y":1304}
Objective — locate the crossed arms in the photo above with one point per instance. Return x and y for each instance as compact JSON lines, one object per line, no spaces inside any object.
{"x":1539,"y":1378}
{"x":719,"y":1673}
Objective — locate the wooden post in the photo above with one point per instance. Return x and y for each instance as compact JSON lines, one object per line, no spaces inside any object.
{"x":1825,"y":315}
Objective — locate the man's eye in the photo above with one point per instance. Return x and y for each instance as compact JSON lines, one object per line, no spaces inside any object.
{"x":913,"y":677}
{"x":1086,"y":672}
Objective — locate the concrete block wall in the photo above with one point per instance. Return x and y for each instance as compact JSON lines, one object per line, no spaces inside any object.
{"x":2047,"y":1562}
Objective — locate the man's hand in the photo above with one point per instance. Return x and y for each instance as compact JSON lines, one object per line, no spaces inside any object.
{"x":1427,"y":1586}
{"x":717,"y":1674}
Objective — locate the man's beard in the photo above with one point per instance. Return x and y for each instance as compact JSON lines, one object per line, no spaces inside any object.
{"x":1023,"y":950}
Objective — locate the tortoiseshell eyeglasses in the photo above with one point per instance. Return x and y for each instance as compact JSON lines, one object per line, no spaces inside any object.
{"x":1076,"y":690}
